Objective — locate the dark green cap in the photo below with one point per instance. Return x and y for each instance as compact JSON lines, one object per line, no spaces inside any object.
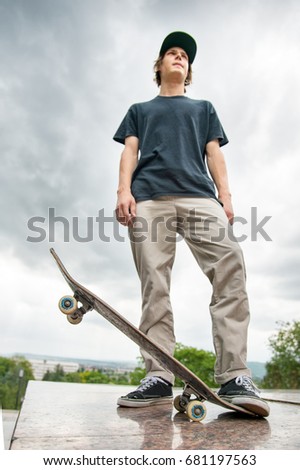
{"x":180,"y":39}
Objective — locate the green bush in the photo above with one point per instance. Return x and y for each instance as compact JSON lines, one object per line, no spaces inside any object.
{"x":14,"y":375}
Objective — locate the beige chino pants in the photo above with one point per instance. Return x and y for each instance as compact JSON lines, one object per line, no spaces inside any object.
{"x":203,"y":224}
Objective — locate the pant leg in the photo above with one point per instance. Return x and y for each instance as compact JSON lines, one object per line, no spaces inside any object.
{"x":153,"y":246}
{"x":220,"y":257}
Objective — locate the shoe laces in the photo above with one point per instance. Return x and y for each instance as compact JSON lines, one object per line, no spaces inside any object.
{"x":246,"y":382}
{"x":148,"y":382}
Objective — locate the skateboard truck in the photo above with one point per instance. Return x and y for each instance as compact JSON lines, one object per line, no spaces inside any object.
{"x":194,"y":408}
{"x":68,"y":305}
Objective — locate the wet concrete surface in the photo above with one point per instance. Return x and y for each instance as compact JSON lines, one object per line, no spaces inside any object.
{"x":9,"y":419}
{"x":64,"y":416}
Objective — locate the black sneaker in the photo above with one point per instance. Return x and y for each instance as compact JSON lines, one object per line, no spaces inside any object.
{"x":241,"y":391}
{"x":152,"y":391}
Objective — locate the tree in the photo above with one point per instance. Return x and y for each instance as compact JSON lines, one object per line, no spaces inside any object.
{"x":283,"y":371}
{"x":94,"y":377}
{"x":14,"y":375}
{"x":58,"y":375}
{"x":197,"y":360}
{"x":139,"y":373}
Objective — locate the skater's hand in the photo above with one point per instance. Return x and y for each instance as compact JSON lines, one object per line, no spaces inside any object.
{"x":217,"y":168}
{"x":227,"y":206}
{"x":126,"y":208}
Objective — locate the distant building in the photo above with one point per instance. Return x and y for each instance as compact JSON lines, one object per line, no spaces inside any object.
{"x":40,"y":367}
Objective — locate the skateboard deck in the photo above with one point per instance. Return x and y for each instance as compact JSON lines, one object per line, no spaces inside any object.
{"x":194,"y":408}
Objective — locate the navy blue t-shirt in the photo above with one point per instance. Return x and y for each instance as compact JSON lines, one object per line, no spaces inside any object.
{"x":173,"y":132}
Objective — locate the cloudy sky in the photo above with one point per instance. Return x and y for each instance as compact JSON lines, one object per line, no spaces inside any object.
{"x":69,"y":71}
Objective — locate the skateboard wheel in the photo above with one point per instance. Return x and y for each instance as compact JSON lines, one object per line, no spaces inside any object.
{"x":67,"y":305}
{"x":196,"y":410}
{"x":179,"y":404}
{"x":74,"y":319}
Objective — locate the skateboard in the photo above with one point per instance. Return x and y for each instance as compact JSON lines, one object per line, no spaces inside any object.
{"x":193,"y":386}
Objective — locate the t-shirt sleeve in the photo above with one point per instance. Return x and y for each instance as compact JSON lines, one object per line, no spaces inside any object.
{"x":215,"y":129}
{"x":128,"y":126}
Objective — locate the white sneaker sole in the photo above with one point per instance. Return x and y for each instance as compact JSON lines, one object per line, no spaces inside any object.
{"x":256,"y":405}
{"x":135,"y":403}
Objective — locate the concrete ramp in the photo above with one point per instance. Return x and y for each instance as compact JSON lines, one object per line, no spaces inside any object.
{"x":65,"y":416}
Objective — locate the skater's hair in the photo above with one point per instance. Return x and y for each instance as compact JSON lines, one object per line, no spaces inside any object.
{"x":157,"y":77}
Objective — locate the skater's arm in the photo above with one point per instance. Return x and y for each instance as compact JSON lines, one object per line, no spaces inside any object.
{"x":217,"y":168}
{"x":126,"y":205}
